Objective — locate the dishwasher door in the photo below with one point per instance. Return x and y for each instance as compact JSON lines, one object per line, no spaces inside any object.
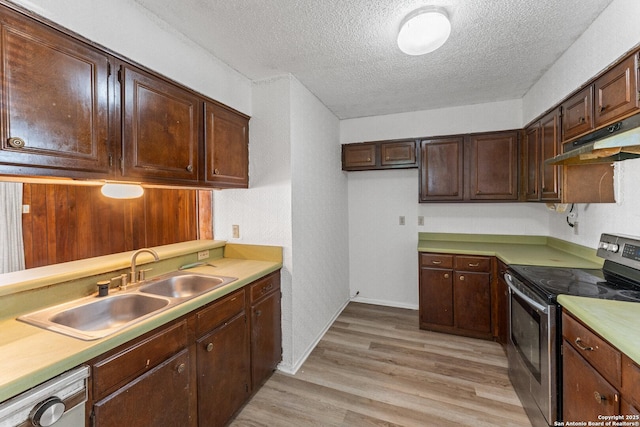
{"x":58,"y":402}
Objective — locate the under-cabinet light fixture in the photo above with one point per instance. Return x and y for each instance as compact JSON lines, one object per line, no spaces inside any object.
{"x":118,"y":190}
{"x":424,"y":30}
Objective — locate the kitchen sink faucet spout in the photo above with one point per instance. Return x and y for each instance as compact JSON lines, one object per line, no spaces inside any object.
{"x":134,"y":276}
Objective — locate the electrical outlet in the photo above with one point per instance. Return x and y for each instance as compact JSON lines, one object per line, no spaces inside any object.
{"x":420,"y":220}
{"x":401,"y":220}
{"x":26,"y":209}
{"x":575,"y":228}
{"x":235,"y":229}
{"x":203,"y":255}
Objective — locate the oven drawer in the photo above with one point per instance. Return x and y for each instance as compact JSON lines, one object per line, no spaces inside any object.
{"x":473,"y":263}
{"x":436,"y":260}
{"x":599,"y":353}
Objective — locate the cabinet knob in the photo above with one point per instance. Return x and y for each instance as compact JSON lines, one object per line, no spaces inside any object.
{"x":258,"y":313}
{"x":368,"y":159}
{"x":386,"y":158}
{"x":599,"y":398}
{"x":181,"y":368}
{"x":216,"y":171}
{"x":602,"y":108}
{"x":446,"y":275}
{"x":461,"y":278}
{"x":16,"y":142}
{"x":581,"y":120}
{"x":210,"y":346}
{"x":190,"y":168}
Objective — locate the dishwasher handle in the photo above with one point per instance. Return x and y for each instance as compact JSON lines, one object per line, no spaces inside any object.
{"x":513,"y":288}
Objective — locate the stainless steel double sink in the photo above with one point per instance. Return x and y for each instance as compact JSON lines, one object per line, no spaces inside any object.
{"x":94,"y":317}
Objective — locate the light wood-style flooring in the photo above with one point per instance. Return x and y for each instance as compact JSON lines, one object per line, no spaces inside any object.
{"x":374,"y":367}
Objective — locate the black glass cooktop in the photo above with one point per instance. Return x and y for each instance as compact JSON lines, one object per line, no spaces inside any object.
{"x":554,"y":281}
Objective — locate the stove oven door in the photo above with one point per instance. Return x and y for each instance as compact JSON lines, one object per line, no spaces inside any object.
{"x":531,"y":350}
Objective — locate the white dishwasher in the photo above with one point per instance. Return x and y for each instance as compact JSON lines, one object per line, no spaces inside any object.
{"x":58,"y":402}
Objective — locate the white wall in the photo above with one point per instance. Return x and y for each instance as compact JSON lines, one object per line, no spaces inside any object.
{"x":611,"y":35}
{"x":297,"y":200}
{"x":130,"y":30}
{"x":383,"y":257}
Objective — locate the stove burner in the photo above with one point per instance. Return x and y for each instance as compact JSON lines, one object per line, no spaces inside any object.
{"x":628,"y":295}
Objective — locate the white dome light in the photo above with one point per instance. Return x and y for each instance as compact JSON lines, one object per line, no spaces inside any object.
{"x":116,"y":190}
{"x":424,"y":31}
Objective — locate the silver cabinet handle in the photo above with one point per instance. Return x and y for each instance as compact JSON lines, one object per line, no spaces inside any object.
{"x":477,"y":264}
{"x":582,"y":347}
{"x":181,"y":368}
{"x":210,"y":347}
{"x":436,"y":262}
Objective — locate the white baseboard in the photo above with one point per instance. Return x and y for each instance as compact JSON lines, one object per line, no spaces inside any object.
{"x":385,"y":303}
{"x":291,"y":370}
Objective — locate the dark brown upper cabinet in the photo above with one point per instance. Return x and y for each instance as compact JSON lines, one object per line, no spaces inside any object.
{"x":396,"y":154}
{"x":475,"y":167}
{"x":493,"y":166}
{"x":55,"y":102}
{"x":541,"y":142}
{"x":160,"y":129}
{"x":616,"y":92}
{"x":441,"y":169}
{"x":577,"y":114}
{"x":226,"y":141}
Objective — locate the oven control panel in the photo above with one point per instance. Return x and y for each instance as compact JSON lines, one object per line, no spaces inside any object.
{"x":620,"y":249}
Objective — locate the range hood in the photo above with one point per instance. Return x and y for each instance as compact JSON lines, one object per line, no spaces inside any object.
{"x":620,"y":141}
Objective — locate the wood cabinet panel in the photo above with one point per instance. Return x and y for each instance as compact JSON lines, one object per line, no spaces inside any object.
{"x":577,"y":114}
{"x":266,"y":337}
{"x":531,"y":152}
{"x":472,"y":301}
{"x":436,"y":297}
{"x":441,"y":169}
{"x":550,"y":145}
{"x":616,"y":92}
{"x":436,"y":260}
{"x":586,"y":394}
{"x":226,"y":142}
{"x":159,"y":397}
{"x":161,"y":123}
{"x":225,"y":308}
{"x":55,"y":100}
{"x":493,"y":166}
{"x":398,"y":153}
{"x":472,"y":263}
{"x":223,"y":372}
{"x":358,"y":156}
{"x":631,"y":381}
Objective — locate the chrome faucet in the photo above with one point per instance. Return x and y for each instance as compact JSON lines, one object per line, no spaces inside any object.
{"x":134,"y":278}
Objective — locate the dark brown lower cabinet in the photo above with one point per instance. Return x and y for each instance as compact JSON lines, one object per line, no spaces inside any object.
{"x":159,"y":397}
{"x":266,"y":332}
{"x":455,"y":294}
{"x":223,"y":372}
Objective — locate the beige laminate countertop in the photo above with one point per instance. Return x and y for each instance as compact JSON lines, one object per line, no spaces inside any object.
{"x":31,"y":355}
{"x":616,"y":321}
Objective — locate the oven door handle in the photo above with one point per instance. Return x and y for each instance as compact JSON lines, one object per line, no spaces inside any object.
{"x":528,"y":300}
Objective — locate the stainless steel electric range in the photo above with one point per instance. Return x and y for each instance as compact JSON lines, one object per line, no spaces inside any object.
{"x":535,"y":334}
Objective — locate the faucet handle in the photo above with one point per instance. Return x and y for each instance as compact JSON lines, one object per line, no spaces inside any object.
{"x":142,"y":274}
{"x":124,"y":281}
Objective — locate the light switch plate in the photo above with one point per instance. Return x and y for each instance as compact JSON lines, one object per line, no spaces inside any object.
{"x":235,"y":231}
{"x":401,"y":220}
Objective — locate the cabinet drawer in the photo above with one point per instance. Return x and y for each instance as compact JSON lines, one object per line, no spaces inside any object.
{"x":599,"y":353}
{"x":631,"y":381}
{"x":473,"y":263}
{"x":221,"y":310}
{"x":117,"y":370}
{"x":265,"y":286}
{"x":436,"y":260}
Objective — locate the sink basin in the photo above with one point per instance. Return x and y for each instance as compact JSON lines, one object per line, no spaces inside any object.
{"x":92,"y":318}
{"x":109,"y":312}
{"x":185,"y":285}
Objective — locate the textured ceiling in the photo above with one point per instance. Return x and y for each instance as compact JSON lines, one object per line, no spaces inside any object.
{"x":345,"y":52}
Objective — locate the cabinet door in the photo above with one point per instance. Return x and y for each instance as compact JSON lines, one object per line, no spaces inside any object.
{"x":266,"y":338}
{"x":550,"y":175}
{"x":436,"y":297}
{"x":586,"y":394}
{"x":358,"y":156}
{"x":398,"y":153}
{"x":441,"y":169}
{"x":472,"y":301}
{"x":531,"y":152}
{"x":493,"y":166}
{"x":55,"y":93}
{"x":226,"y":139}
{"x":577,"y":114}
{"x":159,"y":397}
{"x":223,"y":372}
{"x":161,"y":124}
{"x":617,"y":92}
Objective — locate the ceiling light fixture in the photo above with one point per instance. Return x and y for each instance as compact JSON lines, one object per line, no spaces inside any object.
{"x":118,"y":190}
{"x":423,"y":31}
